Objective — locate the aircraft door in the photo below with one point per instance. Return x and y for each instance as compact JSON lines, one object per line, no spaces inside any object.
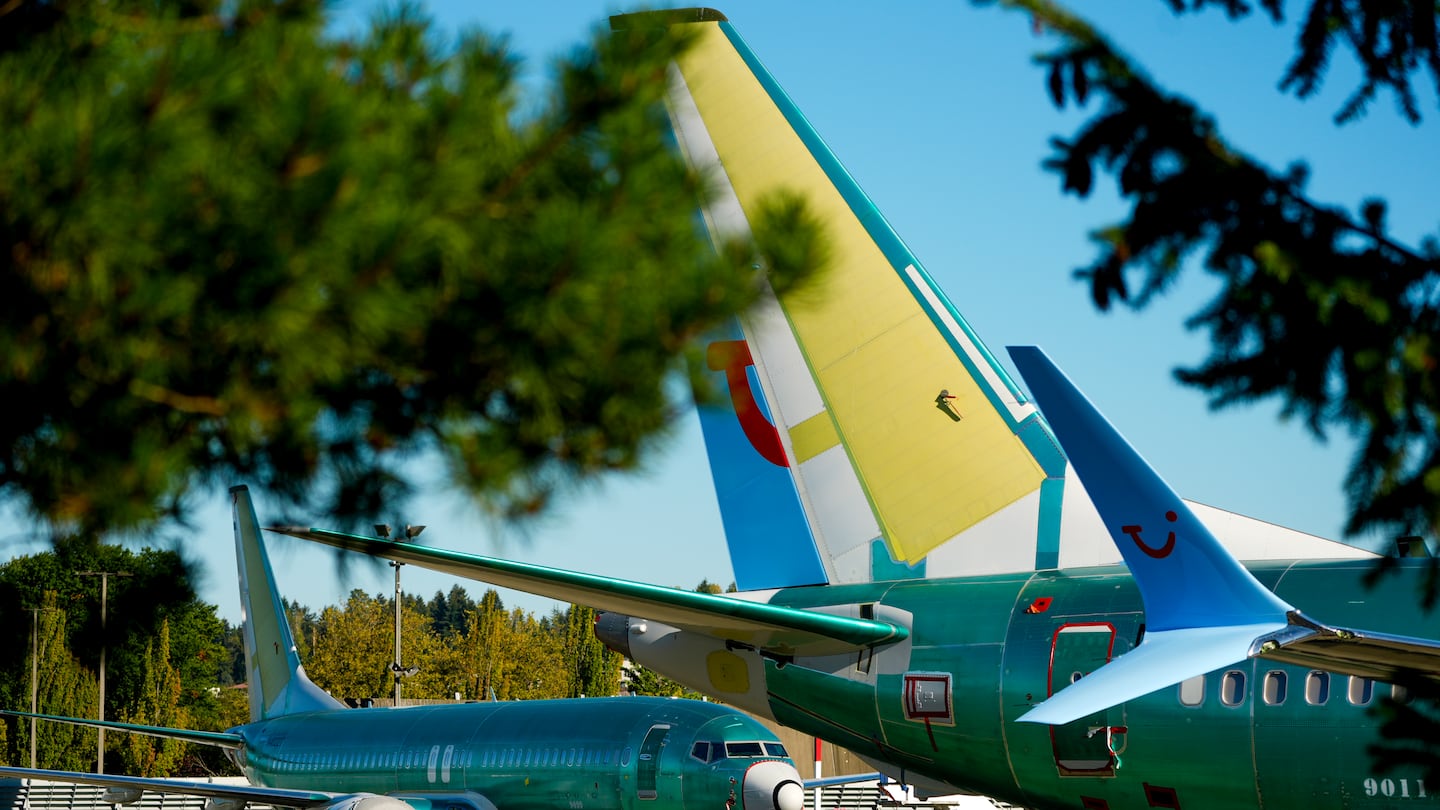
{"x":647,"y":770}
{"x":1082,"y":747}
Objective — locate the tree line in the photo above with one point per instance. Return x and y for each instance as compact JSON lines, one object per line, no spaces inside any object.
{"x":171,"y":661}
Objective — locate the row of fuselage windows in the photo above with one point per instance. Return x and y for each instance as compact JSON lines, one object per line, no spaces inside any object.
{"x":443,"y":760}
{"x":509,"y":757}
{"x":1275,"y":688}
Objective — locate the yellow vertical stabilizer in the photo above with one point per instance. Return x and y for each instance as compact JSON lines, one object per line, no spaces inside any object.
{"x":879,"y":345}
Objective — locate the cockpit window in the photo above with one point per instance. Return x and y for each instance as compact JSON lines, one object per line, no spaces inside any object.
{"x":743,"y":749}
{"x":775,"y":749}
{"x":701,"y":751}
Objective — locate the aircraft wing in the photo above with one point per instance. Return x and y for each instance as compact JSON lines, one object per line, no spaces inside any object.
{"x":237,"y":793}
{"x":785,"y":630}
{"x":223,"y":739}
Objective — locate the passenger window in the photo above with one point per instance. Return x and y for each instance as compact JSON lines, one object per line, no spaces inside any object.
{"x":1361,"y":690}
{"x":1192,"y":691}
{"x":1276,"y":684}
{"x":1232,"y":688}
{"x":625,"y":757}
{"x":1317,"y":688}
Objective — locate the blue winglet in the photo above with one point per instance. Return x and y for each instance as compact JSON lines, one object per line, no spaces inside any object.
{"x":1203,"y":610}
{"x":1185,"y":576}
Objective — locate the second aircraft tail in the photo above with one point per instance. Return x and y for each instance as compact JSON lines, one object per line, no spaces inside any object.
{"x":277,"y":681}
{"x":869,"y":433}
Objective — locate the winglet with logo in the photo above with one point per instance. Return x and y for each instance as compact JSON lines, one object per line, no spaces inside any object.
{"x":1203,"y":609}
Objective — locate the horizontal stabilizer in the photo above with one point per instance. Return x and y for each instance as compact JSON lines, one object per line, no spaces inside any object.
{"x":279,"y":797}
{"x":1165,"y":658}
{"x":788,"y":631}
{"x":218,"y":738}
{"x":1351,"y":652}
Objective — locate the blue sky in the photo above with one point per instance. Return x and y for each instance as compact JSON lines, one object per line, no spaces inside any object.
{"x":939,"y":113}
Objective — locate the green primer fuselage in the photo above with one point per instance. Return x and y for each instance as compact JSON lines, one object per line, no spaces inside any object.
{"x":1258,"y":734}
{"x":588,"y":754}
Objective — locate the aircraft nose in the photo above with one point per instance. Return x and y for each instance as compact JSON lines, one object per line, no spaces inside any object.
{"x":773,"y":786}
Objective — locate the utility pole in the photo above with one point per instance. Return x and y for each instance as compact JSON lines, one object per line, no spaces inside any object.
{"x":104,"y":642}
{"x":34,"y":674}
{"x":396,"y":668}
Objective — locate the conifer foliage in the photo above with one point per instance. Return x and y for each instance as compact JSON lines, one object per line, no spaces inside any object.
{"x":236,"y":247}
{"x":1319,"y":306}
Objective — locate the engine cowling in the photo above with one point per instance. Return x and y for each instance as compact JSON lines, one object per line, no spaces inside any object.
{"x":370,"y":801}
{"x":773,"y":786}
{"x":116,"y":794}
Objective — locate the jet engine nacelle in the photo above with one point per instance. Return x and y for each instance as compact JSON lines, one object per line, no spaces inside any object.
{"x":369,"y":801}
{"x":116,"y":794}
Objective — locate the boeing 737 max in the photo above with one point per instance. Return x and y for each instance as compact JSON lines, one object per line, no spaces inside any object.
{"x":972,"y":595}
{"x":304,"y":749}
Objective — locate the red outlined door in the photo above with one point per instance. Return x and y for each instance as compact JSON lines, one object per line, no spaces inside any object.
{"x":1082,"y":747}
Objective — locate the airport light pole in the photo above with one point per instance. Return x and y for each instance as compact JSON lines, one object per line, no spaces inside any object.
{"x":396,"y":668}
{"x":104,"y":600}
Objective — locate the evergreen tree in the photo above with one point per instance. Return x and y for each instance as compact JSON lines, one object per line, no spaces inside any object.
{"x":63,"y":687}
{"x":594,"y":669}
{"x":236,"y":247}
{"x":159,"y":705}
{"x":157,"y":591}
{"x":1319,"y":306}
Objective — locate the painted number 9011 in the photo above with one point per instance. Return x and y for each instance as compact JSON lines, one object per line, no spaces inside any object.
{"x":1396,"y":788}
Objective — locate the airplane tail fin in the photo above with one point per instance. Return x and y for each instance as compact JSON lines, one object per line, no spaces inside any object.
{"x":277,"y":681}
{"x":1203,"y":609}
{"x":869,"y":434}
